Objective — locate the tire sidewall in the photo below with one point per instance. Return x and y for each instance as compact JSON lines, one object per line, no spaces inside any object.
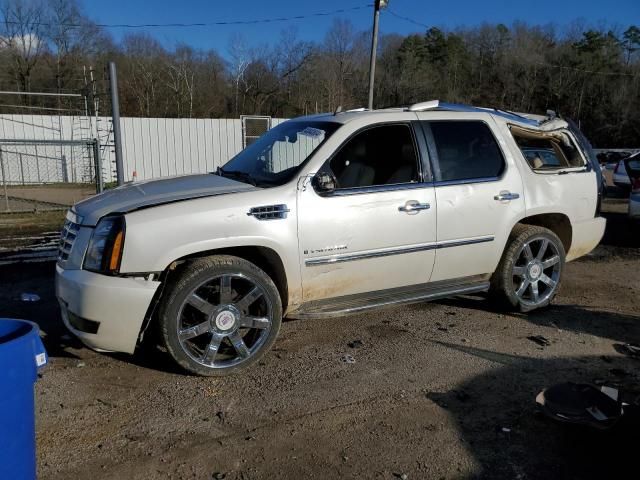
{"x":195,"y":274}
{"x":517,"y":243}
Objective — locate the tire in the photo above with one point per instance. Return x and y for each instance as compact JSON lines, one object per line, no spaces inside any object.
{"x":219,"y":315}
{"x":528,"y":280}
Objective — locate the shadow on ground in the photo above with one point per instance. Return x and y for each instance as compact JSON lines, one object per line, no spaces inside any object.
{"x":572,"y":318}
{"x":498,"y":419}
{"x":36,"y":278}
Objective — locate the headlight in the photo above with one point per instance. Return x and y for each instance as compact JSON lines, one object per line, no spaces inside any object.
{"x":105,"y":247}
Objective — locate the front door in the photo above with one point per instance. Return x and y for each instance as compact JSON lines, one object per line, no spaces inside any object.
{"x":377,"y":229}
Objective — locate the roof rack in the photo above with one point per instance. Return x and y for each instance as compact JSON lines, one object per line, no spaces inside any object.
{"x":457,"y":107}
{"x":351,"y":110}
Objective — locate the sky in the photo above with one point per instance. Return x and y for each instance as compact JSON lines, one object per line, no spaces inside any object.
{"x":442,"y":13}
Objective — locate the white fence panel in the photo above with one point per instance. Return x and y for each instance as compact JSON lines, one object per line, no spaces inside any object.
{"x":151,"y":147}
{"x":163,"y":147}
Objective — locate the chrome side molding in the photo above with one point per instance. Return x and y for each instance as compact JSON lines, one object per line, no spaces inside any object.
{"x":349,"y":257}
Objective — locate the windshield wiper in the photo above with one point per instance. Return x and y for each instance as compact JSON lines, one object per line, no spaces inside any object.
{"x":237,"y":174}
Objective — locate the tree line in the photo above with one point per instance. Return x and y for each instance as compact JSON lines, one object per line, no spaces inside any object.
{"x":591,"y":75}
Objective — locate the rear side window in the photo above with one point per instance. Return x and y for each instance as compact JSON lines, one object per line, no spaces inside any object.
{"x":466,"y":151}
{"x":547,"y":151}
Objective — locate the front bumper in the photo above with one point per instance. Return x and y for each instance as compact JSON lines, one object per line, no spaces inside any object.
{"x":118,"y":304}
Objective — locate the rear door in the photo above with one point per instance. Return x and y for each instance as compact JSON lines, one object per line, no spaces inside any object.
{"x":479,"y":195}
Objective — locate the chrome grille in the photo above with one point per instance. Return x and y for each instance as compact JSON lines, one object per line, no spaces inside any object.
{"x":67,"y":238}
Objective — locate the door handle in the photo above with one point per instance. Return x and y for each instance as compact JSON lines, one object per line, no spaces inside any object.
{"x":413,"y":206}
{"x":506,"y":196}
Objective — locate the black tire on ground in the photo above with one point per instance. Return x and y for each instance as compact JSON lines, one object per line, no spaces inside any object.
{"x":505,"y":283}
{"x":188,"y":280}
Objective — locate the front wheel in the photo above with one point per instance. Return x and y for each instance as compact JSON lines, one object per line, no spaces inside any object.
{"x":528,"y":275}
{"x":220,"y":315}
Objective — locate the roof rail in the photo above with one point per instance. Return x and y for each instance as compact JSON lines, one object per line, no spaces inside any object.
{"x":458,"y":107}
{"x":422,"y":106}
{"x":351,"y":110}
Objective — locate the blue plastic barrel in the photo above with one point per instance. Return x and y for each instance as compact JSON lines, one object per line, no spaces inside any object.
{"x":21,"y":356}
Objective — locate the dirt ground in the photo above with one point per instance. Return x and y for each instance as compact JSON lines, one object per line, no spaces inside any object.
{"x":438,"y":390}
{"x":42,"y":198}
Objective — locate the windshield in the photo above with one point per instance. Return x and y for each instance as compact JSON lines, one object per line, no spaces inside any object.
{"x":277,"y":156}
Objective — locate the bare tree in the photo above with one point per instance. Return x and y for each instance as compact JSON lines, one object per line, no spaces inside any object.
{"x":142,"y":70}
{"x":22,"y":36}
{"x":73,"y":38}
{"x":240,"y":60}
{"x":591,"y":73}
{"x":180,"y":78}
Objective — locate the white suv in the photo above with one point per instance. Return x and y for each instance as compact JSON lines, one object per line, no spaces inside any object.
{"x":330,"y":215}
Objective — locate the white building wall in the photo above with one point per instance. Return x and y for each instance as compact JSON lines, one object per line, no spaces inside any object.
{"x":151,"y":147}
{"x":161,"y":147}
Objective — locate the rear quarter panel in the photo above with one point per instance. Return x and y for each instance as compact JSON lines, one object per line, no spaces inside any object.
{"x":573,"y":194}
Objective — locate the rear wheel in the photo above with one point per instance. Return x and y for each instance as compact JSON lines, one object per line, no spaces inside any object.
{"x":221,"y":315}
{"x":528,"y":276}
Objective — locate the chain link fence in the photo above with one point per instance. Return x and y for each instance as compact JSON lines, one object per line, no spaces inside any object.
{"x":50,"y":162}
{"x":46,"y":175}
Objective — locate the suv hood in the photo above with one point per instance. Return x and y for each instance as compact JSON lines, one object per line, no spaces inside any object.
{"x":151,"y":193}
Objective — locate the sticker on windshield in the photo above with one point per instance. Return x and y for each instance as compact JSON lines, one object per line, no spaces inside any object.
{"x":312,"y":132}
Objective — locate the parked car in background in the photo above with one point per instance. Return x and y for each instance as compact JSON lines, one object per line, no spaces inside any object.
{"x":620,"y":176}
{"x":331,"y":215}
{"x":632,"y":167}
{"x":611,"y":159}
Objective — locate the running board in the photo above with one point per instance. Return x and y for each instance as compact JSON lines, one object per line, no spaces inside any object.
{"x":352,"y":304}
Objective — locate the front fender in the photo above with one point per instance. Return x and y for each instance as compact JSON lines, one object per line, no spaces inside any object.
{"x":156,"y":237}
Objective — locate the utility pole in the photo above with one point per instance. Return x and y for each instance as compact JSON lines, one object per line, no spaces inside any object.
{"x":95,"y":131}
{"x":97,"y":164}
{"x":4,"y":182}
{"x":378,"y":4}
{"x":115,"y":115}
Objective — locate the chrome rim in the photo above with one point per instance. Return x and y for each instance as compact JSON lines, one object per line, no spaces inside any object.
{"x":224,"y":321}
{"x":536,"y":272}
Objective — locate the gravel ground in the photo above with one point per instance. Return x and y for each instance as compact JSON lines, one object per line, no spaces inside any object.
{"x":62,"y":194}
{"x":437,"y":390}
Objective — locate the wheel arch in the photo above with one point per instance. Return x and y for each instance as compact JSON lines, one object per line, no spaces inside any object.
{"x":558,"y":223}
{"x":263,"y":257}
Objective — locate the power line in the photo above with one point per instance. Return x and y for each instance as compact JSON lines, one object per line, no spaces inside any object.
{"x":28,"y":107}
{"x":406,"y":19}
{"x":41,"y":94}
{"x":592,"y":72}
{"x":205,"y":24}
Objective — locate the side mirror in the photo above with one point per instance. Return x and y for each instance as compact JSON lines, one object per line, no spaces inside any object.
{"x":324,"y":182}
